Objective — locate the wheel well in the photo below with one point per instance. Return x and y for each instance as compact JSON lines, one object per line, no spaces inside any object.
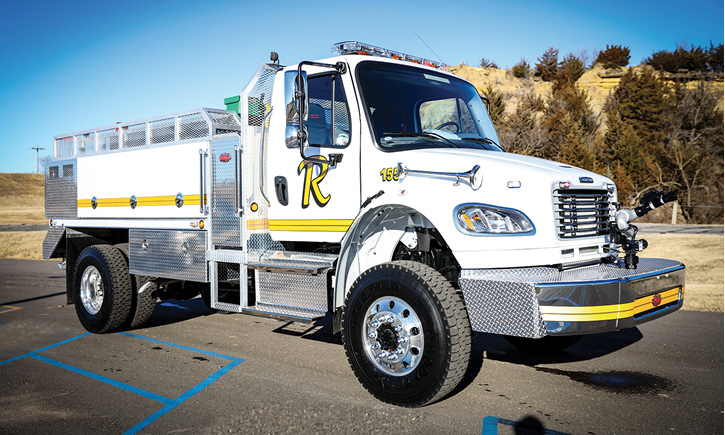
{"x":386,"y":233}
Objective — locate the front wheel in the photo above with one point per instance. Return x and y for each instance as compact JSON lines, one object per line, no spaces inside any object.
{"x":406,"y":333}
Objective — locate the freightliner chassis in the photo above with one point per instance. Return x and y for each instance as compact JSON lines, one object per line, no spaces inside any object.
{"x":371,"y":186}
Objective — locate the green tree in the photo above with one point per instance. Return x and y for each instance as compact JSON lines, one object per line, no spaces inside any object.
{"x":494,"y":102}
{"x":522,"y":69}
{"x":573,"y":149}
{"x":571,"y":69}
{"x":548,"y":64}
{"x":487,"y":63}
{"x":613,"y":56}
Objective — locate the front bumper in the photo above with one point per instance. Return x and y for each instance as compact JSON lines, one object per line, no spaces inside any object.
{"x":538,"y":301}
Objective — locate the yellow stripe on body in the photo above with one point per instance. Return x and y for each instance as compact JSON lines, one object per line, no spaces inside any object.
{"x":340,"y":225}
{"x":142,"y":201}
{"x":606,"y":312}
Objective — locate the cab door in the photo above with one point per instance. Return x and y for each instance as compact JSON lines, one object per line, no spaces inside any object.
{"x":317,"y":197}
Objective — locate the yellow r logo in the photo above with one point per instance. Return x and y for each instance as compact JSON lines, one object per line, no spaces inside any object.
{"x":312,"y":185}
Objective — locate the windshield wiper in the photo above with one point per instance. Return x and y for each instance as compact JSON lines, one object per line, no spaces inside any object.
{"x":428,"y":135}
{"x":483,"y":140}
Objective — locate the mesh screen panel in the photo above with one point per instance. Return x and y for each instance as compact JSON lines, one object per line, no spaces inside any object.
{"x":163,"y":130}
{"x":193,"y":126}
{"x":64,"y":147}
{"x":134,"y":135}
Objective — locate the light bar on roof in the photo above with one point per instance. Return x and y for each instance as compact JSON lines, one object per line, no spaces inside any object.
{"x":354,"y":47}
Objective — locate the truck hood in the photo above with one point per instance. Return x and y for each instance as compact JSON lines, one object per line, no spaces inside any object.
{"x":495,"y":164}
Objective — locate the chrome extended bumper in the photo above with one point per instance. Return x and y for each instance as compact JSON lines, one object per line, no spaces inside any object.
{"x":538,"y":301}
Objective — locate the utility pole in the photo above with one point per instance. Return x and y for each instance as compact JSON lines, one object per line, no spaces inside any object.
{"x":37,"y":157}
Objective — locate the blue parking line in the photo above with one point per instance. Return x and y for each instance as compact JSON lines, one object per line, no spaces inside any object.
{"x":179,"y":346}
{"x":183,"y":398}
{"x":43,"y":349}
{"x":109,"y":381}
{"x":490,"y":426}
{"x":170,"y":404}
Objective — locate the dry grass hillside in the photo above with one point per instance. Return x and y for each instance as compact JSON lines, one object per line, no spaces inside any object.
{"x":513,"y":89}
{"x":21,"y":199}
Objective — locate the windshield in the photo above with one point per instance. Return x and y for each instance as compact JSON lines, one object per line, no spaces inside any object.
{"x":409,"y":107}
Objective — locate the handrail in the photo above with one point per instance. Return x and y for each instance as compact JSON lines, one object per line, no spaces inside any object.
{"x":261,"y":157}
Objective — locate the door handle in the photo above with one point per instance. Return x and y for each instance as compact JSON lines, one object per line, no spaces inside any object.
{"x":280,"y":187}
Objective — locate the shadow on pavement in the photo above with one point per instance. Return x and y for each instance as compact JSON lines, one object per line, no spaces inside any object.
{"x":174,"y":311}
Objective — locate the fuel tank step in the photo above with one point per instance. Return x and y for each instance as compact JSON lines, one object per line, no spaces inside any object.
{"x":283,"y":313}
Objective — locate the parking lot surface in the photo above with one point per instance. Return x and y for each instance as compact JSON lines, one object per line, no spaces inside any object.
{"x":192,"y":371}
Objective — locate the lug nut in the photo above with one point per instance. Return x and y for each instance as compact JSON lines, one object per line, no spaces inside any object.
{"x":374,"y":324}
{"x":398,"y":328}
{"x":391,"y":356}
{"x":375,"y":346}
{"x":399,"y":351}
{"x":390,"y":319}
{"x":372,"y":334}
{"x":402,"y":340}
{"x":382,"y":355}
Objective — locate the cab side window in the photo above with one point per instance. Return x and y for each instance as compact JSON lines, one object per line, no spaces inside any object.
{"x":329,"y":118}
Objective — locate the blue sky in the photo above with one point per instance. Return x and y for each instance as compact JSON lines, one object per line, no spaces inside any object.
{"x":73,"y":65}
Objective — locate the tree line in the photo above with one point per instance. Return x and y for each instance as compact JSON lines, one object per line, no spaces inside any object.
{"x":651,"y":133}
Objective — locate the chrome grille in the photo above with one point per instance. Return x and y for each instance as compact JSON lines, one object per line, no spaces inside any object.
{"x":581,"y":213}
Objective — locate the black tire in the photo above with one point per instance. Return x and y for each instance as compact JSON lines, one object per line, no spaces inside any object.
{"x":107,"y":264}
{"x":142,"y":305}
{"x":430,"y":301}
{"x":550,"y":344}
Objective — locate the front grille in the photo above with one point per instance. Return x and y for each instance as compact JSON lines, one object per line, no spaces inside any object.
{"x":581,"y":213}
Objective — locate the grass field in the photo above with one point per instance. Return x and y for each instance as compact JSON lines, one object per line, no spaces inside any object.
{"x":21,"y":202}
{"x":21,"y":199}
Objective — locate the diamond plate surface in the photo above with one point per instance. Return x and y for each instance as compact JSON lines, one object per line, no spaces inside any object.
{"x":168,"y":254}
{"x":226,"y":224}
{"x":257,"y":98}
{"x":291,"y":260}
{"x":292,"y":290}
{"x":61,"y":189}
{"x":193,"y":126}
{"x":283,"y":312}
{"x":228,"y":272}
{"x":507,"y":308}
{"x":52,"y":238}
{"x":602,"y":272}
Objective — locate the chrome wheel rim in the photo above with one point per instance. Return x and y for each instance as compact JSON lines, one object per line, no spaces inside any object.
{"x":92,"y":290}
{"x":393,"y":336}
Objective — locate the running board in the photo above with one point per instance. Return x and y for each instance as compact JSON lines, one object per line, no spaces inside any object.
{"x":284,"y":313}
{"x":290,"y":262}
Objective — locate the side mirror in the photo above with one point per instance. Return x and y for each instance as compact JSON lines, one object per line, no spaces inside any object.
{"x":295,"y":96}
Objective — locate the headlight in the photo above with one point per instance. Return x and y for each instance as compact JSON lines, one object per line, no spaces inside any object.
{"x":485,"y":219}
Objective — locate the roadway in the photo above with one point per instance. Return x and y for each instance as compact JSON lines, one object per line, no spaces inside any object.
{"x":192,"y":371}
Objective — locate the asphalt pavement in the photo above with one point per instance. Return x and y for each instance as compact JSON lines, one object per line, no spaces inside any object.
{"x":192,"y":371}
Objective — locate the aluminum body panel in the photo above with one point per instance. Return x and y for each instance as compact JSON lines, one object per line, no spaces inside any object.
{"x":51,"y":241}
{"x":225,"y":220}
{"x":168,"y":254}
{"x":590,"y":299}
{"x":61,"y":189}
{"x":154,"y":175}
{"x":308,"y":292}
{"x":284,"y":313}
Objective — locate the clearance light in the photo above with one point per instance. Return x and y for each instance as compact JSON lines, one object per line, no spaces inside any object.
{"x":564,"y":184}
{"x":354,"y":47}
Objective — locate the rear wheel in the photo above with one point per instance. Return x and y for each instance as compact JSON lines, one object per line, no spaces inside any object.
{"x":102,"y":288}
{"x":142,"y":304}
{"x":406,"y":333}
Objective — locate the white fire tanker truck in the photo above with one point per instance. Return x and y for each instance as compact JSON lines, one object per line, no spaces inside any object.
{"x":370,"y":185}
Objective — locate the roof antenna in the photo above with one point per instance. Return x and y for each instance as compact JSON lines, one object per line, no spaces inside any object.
{"x":436,"y":54}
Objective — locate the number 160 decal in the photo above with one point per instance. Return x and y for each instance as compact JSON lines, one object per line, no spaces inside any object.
{"x":389,"y":174}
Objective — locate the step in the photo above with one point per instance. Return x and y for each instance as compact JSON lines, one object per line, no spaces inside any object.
{"x":290,"y":261}
{"x":284,"y":313}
